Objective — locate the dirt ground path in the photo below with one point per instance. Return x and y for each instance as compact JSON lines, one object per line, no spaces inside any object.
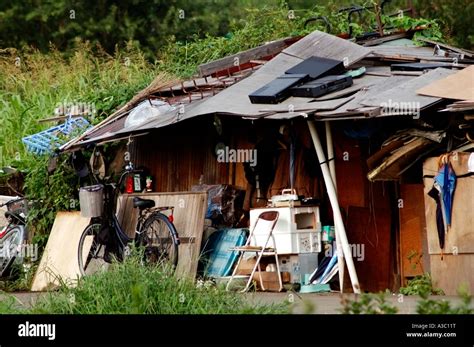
{"x":329,"y":303}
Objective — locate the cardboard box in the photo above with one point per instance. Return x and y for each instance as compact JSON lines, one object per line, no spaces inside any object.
{"x":246,"y":265}
{"x":270,"y":280}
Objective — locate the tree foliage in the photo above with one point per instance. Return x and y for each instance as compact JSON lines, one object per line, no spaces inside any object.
{"x":153,"y":23}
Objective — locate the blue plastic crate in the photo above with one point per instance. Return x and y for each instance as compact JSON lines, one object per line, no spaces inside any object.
{"x":221,"y":259}
{"x":48,"y":140}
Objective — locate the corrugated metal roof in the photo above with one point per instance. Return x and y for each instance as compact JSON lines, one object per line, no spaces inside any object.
{"x":229,"y":96}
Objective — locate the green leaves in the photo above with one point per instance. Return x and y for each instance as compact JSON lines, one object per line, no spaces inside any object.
{"x":428,"y":305}
{"x":48,"y":193}
{"x":420,"y":285}
{"x":368,"y":303}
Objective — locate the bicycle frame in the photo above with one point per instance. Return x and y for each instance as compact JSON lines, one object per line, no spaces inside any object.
{"x":109,"y":218}
{"x":111,"y":197}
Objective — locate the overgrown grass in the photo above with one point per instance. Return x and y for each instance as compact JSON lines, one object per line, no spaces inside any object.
{"x":33,"y":84}
{"x":20,"y":278}
{"x":130,"y":288}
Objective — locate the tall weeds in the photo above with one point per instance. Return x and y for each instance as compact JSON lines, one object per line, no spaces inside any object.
{"x":33,"y":84}
{"x":130,"y":287}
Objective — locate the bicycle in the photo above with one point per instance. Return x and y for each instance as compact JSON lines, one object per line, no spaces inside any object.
{"x":104,"y":239}
{"x":13,"y":235}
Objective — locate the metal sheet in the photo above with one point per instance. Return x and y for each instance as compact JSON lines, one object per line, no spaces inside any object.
{"x":406,"y":92}
{"x":325,"y":45}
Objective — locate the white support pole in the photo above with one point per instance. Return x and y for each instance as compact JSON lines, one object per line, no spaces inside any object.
{"x":330,"y":147}
{"x":335,"y":206}
{"x":332,"y":169}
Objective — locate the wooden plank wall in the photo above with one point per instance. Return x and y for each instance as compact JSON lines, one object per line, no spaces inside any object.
{"x":452,"y":270}
{"x":189,"y":212}
{"x":460,"y":237}
{"x":351,"y":181}
{"x":179,"y":155}
{"x":413,"y":245}
{"x":367,"y":210}
{"x":371,"y":229}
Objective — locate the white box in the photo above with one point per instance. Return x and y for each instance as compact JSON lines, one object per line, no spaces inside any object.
{"x":298,"y":229}
{"x":298,"y":265}
{"x":291,"y":264}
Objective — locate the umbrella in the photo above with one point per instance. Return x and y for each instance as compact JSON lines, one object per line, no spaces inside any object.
{"x":443,"y":192}
{"x":435,"y":194}
{"x":446,"y":180}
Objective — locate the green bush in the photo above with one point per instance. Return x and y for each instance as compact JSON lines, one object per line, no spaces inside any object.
{"x":430,"y":306}
{"x":368,"y":303}
{"x":455,"y":18}
{"x":420,"y":285}
{"x":181,"y":58}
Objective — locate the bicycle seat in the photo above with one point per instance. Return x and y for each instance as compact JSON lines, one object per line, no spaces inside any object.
{"x":143,"y":203}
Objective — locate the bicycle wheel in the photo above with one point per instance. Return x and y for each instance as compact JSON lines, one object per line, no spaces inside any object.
{"x":9,"y":248}
{"x":91,"y":252}
{"x":158,"y":237}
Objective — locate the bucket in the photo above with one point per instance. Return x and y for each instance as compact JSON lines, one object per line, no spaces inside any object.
{"x":91,"y":199}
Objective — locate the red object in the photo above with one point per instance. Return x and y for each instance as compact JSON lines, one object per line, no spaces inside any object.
{"x":171,"y":218}
{"x":129,"y":184}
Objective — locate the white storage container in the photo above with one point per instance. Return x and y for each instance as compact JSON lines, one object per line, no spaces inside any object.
{"x":298,"y":229}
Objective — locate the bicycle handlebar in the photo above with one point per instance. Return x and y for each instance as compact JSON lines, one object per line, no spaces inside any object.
{"x":12,"y":201}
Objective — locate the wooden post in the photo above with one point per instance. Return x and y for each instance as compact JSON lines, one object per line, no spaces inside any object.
{"x":378,"y":17}
{"x":335,"y":206}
